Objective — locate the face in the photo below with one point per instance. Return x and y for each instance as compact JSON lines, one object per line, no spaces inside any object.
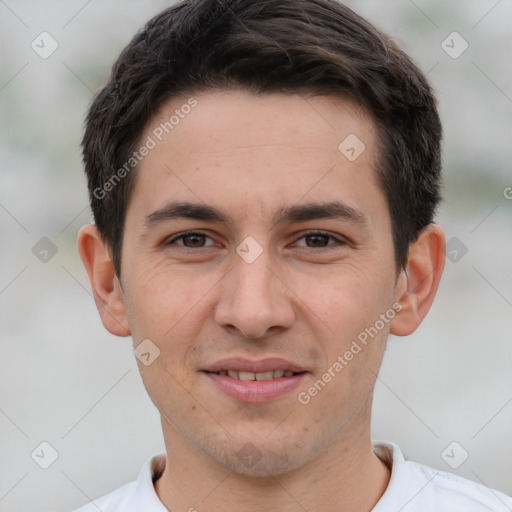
{"x":257,"y":253}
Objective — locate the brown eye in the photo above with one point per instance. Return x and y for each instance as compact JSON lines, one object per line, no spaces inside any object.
{"x":320,"y":240}
{"x":317,"y":240}
{"x":191,"y":240}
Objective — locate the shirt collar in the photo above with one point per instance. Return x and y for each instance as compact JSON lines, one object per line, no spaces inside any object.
{"x":145,"y":496}
{"x":395,"y":493}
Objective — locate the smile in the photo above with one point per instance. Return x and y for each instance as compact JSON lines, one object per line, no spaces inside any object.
{"x":255,"y":387}
{"x":248,"y":376}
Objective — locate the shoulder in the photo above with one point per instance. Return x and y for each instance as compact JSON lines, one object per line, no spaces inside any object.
{"x":415,"y":487}
{"x":448,"y":491}
{"x":112,"y":502}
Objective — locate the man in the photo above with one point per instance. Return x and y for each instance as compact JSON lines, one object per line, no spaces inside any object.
{"x":263,"y":176}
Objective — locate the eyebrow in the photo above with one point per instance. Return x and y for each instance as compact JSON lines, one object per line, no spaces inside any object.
{"x":286,"y":215}
{"x":185,"y":210}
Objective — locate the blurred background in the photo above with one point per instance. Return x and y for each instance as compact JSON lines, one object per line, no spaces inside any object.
{"x":444,"y":394}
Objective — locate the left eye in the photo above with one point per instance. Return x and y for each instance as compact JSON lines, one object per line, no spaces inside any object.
{"x":318,"y":240}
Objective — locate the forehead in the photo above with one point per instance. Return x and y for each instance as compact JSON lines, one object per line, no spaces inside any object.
{"x":230,"y":148}
{"x":268,"y":120}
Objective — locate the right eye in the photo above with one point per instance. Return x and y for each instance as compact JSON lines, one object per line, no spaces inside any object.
{"x":191,"y":240}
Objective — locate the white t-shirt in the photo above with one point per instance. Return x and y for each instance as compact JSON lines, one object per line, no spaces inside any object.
{"x":412,"y":488}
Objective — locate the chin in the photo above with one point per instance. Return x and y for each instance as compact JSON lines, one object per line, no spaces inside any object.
{"x":267,"y":465}
{"x":260,"y":460}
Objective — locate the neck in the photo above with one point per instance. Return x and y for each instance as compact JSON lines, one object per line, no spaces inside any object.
{"x":348,"y":476}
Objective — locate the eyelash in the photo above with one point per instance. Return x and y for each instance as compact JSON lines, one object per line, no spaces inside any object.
{"x":339,"y":242}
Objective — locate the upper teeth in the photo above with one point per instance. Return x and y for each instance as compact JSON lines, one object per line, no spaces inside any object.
{"x":276,"y":374}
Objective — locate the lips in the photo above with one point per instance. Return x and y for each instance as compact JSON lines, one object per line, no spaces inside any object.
{"x":255,"y":381}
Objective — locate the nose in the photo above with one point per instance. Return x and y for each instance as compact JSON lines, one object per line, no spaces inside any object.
{"x":254,"y":299}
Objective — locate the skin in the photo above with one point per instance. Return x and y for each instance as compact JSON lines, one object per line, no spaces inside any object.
{"x":304,"y":299}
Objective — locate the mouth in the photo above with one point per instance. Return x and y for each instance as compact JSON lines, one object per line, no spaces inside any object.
{"x":259,"y":376}
{"x":255,"y":381}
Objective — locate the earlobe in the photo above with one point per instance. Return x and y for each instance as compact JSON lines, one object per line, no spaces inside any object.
{"x":416,"y":287}
{"x":105,"y":285}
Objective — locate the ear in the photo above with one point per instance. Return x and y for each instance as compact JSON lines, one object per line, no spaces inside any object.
{"x":106,"y":288}
{"x":417,"y":285}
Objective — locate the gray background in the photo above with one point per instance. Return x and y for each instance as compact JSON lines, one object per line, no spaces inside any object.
{"x":66,"y":381}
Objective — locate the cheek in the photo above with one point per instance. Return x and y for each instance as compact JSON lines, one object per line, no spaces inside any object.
{"x":164,"y":302}
{"x":345,"y":299}
{"x":171,"y":308}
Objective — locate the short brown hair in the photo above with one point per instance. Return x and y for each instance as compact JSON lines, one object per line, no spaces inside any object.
{"x":263,"y":46}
